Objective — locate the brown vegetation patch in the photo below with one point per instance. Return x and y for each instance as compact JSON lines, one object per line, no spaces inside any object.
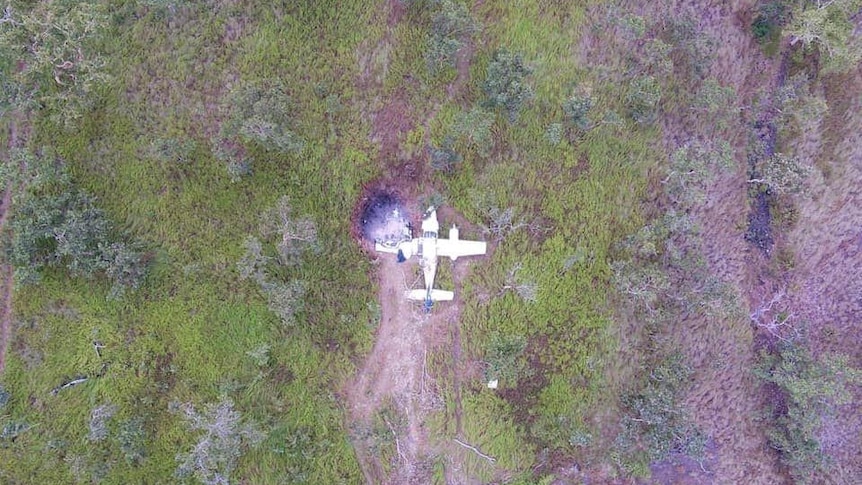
{"x":390,"y":124}
{"x":725,"y":399}
{"x":826,"y":280}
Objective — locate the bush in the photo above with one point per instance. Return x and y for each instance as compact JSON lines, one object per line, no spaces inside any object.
{"x":692,"y":166}
{"x":505,"y":84}
{"x":642,"y":99}
{"x":655,"y":424}
{"x":124,"y":266}
{"x":224,"y":436}
{"x":809,"y":389}
{"x":504,"y":359}
{"x":715,"y":100}
{"x":474,"y":126}
{"x":444,"y":158}
{"x":767,"y":24}
{"x":554,"y":133}
{"x":450,"y":24}
{"x":262,"y":113}
{"x":576,"y":110}
{"x":99,"y":418}
{"x":693,"y":50}
{"x":132,"y":440}
{"x":55,"y":224}
{"x":172,"y":151}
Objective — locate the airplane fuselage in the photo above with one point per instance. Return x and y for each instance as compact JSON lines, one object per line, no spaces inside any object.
{"x":428,"y":259}
{"x":427,"y":248}
{"x":427,"y":251}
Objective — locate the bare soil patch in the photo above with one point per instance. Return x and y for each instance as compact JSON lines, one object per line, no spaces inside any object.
{"x":7,"y":282}
{"x":395,"y":374}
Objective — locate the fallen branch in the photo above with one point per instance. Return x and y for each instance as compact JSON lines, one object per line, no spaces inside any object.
{"x":760,"y":317}
{"x":397,"y":443}
{"x":490,"y":459}
{"x":73,"y":382}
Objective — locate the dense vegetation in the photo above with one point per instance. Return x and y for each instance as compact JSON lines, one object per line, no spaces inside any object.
{"x":189,"y":299}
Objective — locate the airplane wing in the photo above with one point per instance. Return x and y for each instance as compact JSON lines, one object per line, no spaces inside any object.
{"x":456,"y":248}
{"x":436,"y":295}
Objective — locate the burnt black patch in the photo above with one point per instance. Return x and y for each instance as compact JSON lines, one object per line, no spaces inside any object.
{"x":383,"y":218}
{"x":759,"y":230}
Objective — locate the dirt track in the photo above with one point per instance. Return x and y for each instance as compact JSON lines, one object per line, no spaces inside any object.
{"x":391,"y":377}
{"x":394,"y":376}
{"x":5,"y":270}
{"x":6,"y":275}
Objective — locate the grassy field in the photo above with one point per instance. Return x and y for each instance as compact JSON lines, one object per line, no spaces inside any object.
{"x":206,"y":114}
{"x":187,"y":335}
{"x":190,"y":334}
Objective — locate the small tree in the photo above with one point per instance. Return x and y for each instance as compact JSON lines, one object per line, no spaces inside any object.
{"x":284,"y":299}
{"x":826,"y":25}
{"x":223,"y":437}
{"x":501,"y":222}
{"x":782,"y":174}
{"x":527,"y":290}
{"x":505,"y":85}
{"x":296,"y":234}
{"x":55,"y":224}
{"x":294,"y":237}
{"x":253,"y":262}
{"x":655,"y":424}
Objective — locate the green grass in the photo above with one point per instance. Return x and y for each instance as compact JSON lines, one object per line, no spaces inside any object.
{"x":488,"y":428}
{"x":185,"y":336}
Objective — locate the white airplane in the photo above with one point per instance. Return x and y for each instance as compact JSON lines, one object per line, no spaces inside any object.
{"x":427,"y":248}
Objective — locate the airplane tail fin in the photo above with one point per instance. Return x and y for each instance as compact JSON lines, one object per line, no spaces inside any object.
{"x":436,"y":295}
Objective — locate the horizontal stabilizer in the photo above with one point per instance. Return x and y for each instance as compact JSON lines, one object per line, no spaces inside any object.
{"x":436,"y":295}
